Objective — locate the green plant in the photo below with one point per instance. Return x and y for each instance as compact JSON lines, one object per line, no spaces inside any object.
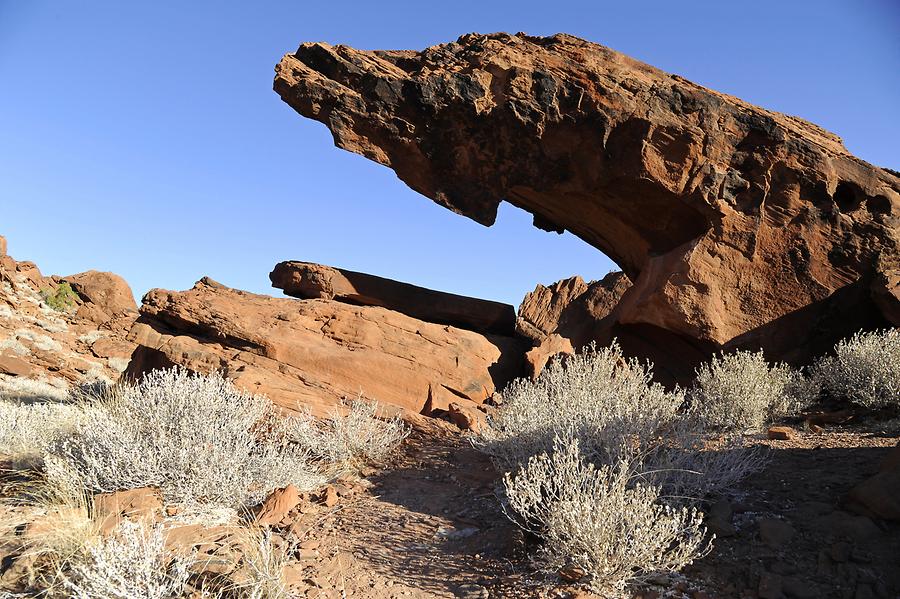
{"x":61,"y":299}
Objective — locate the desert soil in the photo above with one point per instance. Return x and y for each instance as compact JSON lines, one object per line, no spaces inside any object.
{"x":429,"y":525}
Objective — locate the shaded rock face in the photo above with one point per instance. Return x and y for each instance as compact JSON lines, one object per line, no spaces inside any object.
{"x":571,"y":308}
{"x":315,"y":353}
{"x":738,"y":226}
{"x":82,"y":342}
{"x":306,"y":280}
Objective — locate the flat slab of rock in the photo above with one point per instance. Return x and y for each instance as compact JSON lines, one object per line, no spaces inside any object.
{"x":315,"y":353}
{"x":307,"y":280}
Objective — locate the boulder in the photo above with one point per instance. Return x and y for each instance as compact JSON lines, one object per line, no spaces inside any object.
{"x":316,"y":353}
{"x":571,"y":308}
{"x":879,"y":495}
{"x":537,"y":357}
{"x":107,"y":293}
{"x":2,"y":245}
{"x":738,"y":226}
{"x":306,"y":280}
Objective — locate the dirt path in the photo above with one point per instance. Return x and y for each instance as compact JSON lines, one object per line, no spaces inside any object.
{"x":430,"y":526}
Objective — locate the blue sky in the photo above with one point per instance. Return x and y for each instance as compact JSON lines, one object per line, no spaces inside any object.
{"x":144,"y":138}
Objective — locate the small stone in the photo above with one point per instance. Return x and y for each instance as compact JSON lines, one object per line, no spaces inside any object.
{"x":277,"y":505}
{"x":799,"y":589}
{"x":775,"y":533}
{"x":782,"y":433}
{"x":310,"y":544}
{"x":329,"y":496}
{"x":770,"y":586}
{"x":840,"y":552}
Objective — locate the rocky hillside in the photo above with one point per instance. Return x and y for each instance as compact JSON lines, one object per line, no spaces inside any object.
{"x":62,"y":329}
{"x":738,"y":226}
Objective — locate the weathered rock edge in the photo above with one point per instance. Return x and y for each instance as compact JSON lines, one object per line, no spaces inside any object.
{"x":307,"y":280}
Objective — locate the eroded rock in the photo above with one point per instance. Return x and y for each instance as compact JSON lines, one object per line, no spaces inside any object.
{"x":316,"y":353}
{"x":738,"y":226}
{"x":306,"y":280}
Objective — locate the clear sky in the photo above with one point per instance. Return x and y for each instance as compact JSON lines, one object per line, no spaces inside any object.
{"x":144,"y":137}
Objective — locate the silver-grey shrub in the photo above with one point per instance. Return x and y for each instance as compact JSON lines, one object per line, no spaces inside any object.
{"x":599,"y":521}
{"x":864,"y":369}
{"x":742,"y":392}
{"x":195,"y":436}
{"x":352,"y":437}
{"x":615,"y":412}
{"x":132,"y":562}
{"x":596,"y":397}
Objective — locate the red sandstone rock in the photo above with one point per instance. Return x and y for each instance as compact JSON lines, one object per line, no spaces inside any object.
{"x":316,"y":281}
{"x":105,"y":290}
{"x":738,"y":226}
{"x":783,"y":433}
{"x":317,"y":352}
{"x":277,"y":505}
{"x":537,"y":357}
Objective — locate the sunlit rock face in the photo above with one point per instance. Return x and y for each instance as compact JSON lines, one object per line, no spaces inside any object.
{"x":737,"y":226}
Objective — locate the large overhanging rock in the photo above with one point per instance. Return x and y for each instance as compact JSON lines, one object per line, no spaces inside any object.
{"x":737,"y":225}
{"x":316,"y":353}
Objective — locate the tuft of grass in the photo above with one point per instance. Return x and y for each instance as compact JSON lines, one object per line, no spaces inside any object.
{"x":742,"y":392}
{"x":61,"y":299}
{"x":599,"y":522}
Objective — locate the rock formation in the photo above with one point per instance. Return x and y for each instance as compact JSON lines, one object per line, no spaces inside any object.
{"x":316,"y":281}
{"x":317,"y":352}
{"x":82,"y":339}
{"x":738,"y":226}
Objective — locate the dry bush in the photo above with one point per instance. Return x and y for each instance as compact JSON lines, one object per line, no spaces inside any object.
{"x":609,"y":404}
{"x":742,"y":392}
{"x":29,"y":429}
{"x":263,"y":565}
{"x":599,"y":521}
{"x":864,"y":369}
{"x":350,"y":438}
{"x":196,"y":437}
{"x":615,"y":412}
{"x":132,"y":562}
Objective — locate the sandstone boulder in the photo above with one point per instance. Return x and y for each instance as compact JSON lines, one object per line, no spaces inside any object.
{"x":738,"y":226}
{"x":316,"y":353}
{"x":306,"y":280}
{"x":105,"y":295}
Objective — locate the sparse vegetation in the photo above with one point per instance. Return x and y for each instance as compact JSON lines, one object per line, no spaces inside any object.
{"x":353,"y":436}
{"x":196,"y":437}
{"x":133,"y":562}
{"x":742,"y":392}
{"x":606,"y":466}
{"x":600,"y":522}
{"x":61,"y":299}
{"x":865,"y":369}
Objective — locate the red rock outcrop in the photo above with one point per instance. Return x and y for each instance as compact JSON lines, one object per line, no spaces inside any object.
{"x":315,"y":353}
{"x":306,"y":280}
{"x":571,"y":308}
{"x":738,"y":226}
{"x":82,"y":339}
